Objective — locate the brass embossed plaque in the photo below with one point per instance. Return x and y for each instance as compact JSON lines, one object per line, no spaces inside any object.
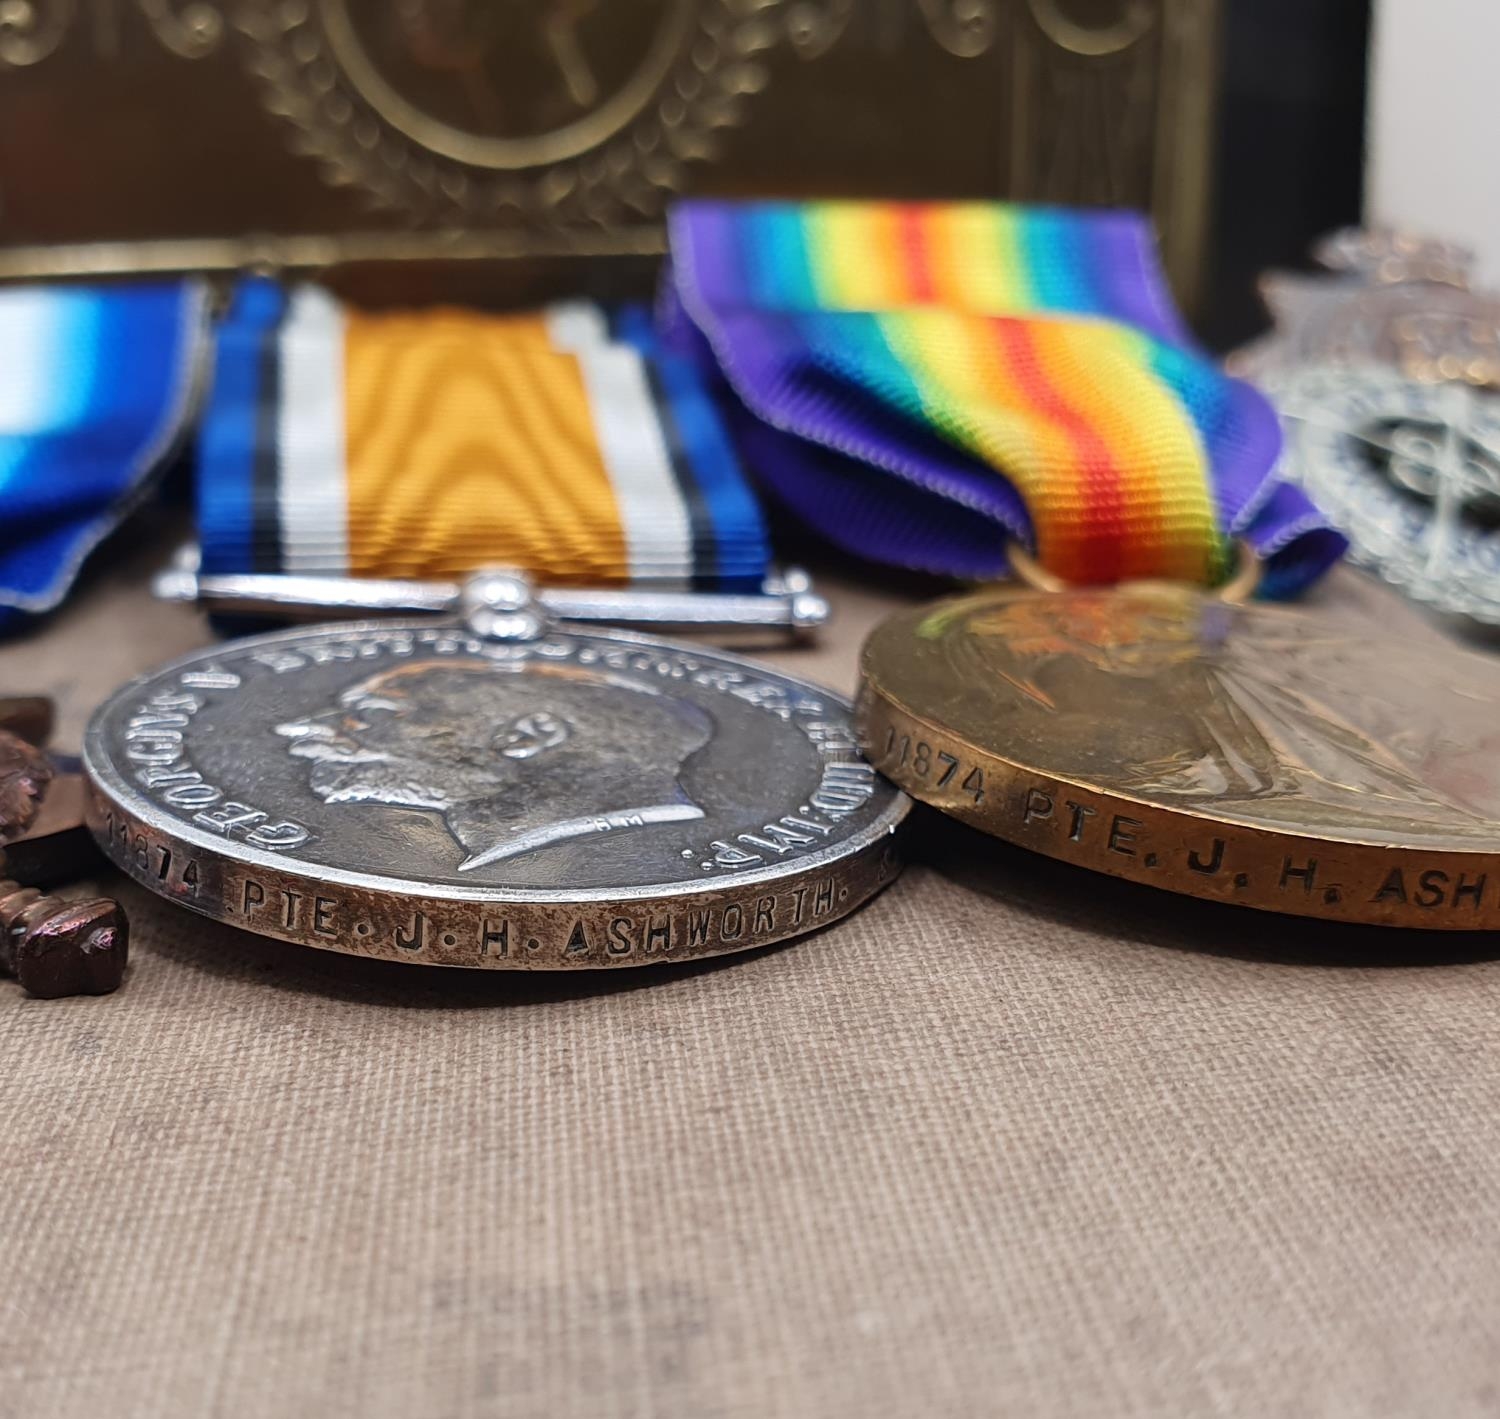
{"x":441,"y":134}
{"x":1249,"y":754}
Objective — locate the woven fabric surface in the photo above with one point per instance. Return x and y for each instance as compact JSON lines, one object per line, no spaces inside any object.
{"x":1012,"y":1140}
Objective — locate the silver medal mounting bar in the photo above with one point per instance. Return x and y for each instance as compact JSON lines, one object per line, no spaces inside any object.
{"x":786,"y":600}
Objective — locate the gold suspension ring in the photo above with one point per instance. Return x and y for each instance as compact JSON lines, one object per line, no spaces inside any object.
{"x":1237,"y":588}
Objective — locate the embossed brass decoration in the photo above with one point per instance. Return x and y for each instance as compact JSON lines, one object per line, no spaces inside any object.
{"x":190,"y":31}
{"x":395,"y":131}
{"x":1097,"y":29}
{"x":31,"y":29}
{"x":815,"y":26}
{"x":440,"y":73}
{"x":1248,"y":754}
{"x":479,"y":109}
{"x":966,"y":28}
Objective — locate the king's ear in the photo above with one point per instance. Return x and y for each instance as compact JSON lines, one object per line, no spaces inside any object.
{"x":532,"y":733}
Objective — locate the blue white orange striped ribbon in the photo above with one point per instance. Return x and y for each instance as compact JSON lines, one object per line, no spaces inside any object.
{"x":430,"y":444}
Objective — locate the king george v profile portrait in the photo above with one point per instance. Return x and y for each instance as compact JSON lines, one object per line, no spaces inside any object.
{"x":513,"y":759}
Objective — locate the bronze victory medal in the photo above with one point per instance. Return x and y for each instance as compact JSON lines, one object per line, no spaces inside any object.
{"x":1248,"y":754}
{"x":423,"y":793}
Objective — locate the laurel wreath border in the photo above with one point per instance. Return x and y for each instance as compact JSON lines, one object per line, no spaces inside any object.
{"x":628,"y":177}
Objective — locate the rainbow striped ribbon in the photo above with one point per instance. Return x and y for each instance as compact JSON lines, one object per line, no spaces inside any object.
{"x":924,"y":382}
{"x":430,"y":444}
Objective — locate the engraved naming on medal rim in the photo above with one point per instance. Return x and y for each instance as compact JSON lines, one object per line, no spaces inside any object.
{"x":424,"y":793}
{"x":1250,"y":754}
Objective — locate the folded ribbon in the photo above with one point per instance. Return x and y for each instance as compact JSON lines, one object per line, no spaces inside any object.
{"x":924,"y":382}
{"x":97,"y":385}
{"x":431,"y":444}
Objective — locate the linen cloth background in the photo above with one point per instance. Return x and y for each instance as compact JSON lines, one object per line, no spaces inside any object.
{"x":1013,"y":1140}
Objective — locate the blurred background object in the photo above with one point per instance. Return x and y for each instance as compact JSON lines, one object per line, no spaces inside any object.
{"x":1290,"y":156}
{"x":1430,"y":166}
{"x":455,"y":149}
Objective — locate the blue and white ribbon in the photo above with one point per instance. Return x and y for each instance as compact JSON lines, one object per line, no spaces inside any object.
{"x":97,"y":386}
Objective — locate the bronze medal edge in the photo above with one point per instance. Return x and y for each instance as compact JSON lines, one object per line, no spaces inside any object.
{"x":1190,"y":854}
